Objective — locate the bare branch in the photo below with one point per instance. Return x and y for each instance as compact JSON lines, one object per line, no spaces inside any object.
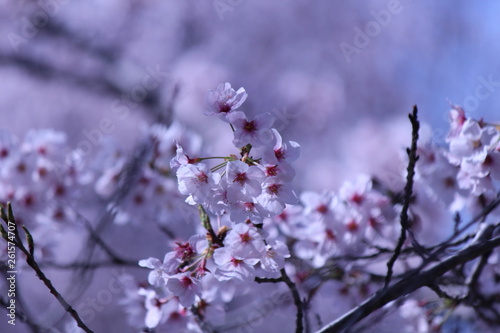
{"x":414,"y":280}
{"x":408,"y":192}
{"x":30,"y":259}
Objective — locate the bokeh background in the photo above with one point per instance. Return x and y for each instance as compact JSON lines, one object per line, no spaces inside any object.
{"x":341,"y":93}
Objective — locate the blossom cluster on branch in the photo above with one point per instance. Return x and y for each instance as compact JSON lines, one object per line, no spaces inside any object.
{"x":246,"y":251}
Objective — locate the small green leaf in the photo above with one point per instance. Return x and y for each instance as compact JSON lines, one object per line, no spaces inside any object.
{"x":4,"y":233}
{"x":10,"y":213}
{"x":3,"y":214}
{"x":204,"y":218}
{"x":29,"y":239}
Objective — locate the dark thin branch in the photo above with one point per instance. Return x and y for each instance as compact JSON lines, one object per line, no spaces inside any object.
{"x":128,"y":177}
{"x":30,"y":259}
{"x":295,"y":293}
{"x":442,"y":294}
{"x":98,"y":85}
{"x":486,"y":210}
{"x":478,"y":267}
{"x":414,"y":280}
{"x":268,"y":280}
{"x":296,"y":300}
{"x":200,"y":320}
{"x":116,"y":259}
{"x":408,"y":192}
{"x":22,"y":316}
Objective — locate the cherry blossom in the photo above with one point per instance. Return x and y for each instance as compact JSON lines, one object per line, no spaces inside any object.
{"x":232,"y":266}
{"x":185,"y":287}
{"x":160,"y":270}
{"x":197,"y":181}
{"x":224,"y":100}
{"x":255,"y":131}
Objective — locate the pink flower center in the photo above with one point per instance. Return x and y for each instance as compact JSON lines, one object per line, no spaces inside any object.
{"x":202,"y":177}
{"x":357,"y":198}
{"x":283,"y":216}
{"x":138,"y":199}
{"x":279,"y":153}
{"x":449,"y":182}
{"x":352,"y":226}
{"x":224,"y":107}
{"x":60,"y":190}
{"x":246,"y":238}
{"x":42,"y":172}
{"x":322,"y":209}
{"x":21,"y":167}
{"x":186,"y":282}
{"x":241,"y":178}
{"x":330,"y":235}
{"x":272,"y":171}
{"x":249,"y":206}
{"x":184,"y":251}
{"x":249,"y":126}
{"x":42,"y":150}
{"x":28,"y":200}
{"x":274,"y":189}
{"x":236,"y":262}
{"x":59,"y":214}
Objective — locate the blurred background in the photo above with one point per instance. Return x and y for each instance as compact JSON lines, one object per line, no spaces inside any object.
{"x":339,"y":76}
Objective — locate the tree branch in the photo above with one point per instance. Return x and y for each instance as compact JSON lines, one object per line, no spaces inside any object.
{"x":30,"y":259}
{"x":299,"y":328}
{"x":408,"y":191}
{"x":414,"y":280}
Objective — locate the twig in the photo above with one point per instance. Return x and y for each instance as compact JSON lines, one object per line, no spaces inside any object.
{"x":268,"y":280}
{"x":296,"y":300}
{"x":202,"y":324}
{"x":299,"y":328}
{"x":415,"y":280}
{"x":408,"y":191}
{"x":26,"y":319}
{"x":30,"y":259}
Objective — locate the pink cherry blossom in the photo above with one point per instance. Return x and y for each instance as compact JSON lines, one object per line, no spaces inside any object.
{"x":244,"y":179}
{"x":231,"y":266}
{"x":256,"y":131}
{"x":197,"y":181}
{"x":161,"y":270}
{"x":185,"y":287}
{"x":224,"y":100}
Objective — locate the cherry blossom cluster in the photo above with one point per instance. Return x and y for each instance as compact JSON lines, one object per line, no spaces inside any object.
{"x":253,"y":224}
{"x":466,"y":173}
{"x":350,"y":222}
{"x":237,"y":230}
{"x":240,"y":192}
{"x":155,"y":197}
{"x":43,"y":179}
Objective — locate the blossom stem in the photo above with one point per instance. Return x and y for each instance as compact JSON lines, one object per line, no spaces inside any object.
{"x":214,"y":157}
{"x":218,"y":166}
